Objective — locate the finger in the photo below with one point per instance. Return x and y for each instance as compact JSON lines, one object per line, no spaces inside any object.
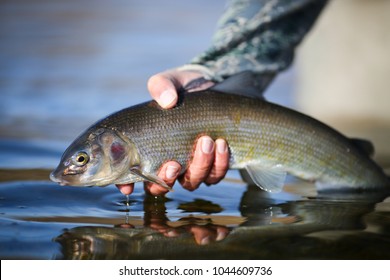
{"x":201,"y":163}
{"x":203,"y":235}
{"x":163,"y":86}
{"x":168,"y":173}
{"x":163,"y":89}
{"x":221,"y":163}
{"x":170,"y":232}
{"x":126,"y":189}
{"x":222,"y":232}
{"x":165,"y":230}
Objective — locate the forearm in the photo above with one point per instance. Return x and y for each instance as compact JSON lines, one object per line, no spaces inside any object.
{"x":257,"y":35}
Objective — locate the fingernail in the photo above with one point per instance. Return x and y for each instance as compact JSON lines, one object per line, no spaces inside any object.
{"x":172,"y":233}
{"x":221,"y":146}
{"x":205,"y":240}
{"x":167,"y":97}
{"x":207,"y":145}
{"x":125,"y":189}
{"x":171,"y":171}
{"x":221,"y":236}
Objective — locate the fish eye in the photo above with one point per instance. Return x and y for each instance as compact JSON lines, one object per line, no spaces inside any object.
{"x":81,"y":158}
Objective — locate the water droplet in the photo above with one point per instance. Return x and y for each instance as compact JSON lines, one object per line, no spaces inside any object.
{"x":127,"y":200}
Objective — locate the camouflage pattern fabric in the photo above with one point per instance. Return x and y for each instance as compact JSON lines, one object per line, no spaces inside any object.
{"x":257,"y":35}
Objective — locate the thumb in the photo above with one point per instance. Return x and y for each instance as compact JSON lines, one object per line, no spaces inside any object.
{"x":162,"y":89}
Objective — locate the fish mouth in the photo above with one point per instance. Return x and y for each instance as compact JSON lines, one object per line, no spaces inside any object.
{"x":55,"y":179}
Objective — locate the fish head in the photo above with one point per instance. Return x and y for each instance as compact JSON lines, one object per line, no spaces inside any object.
{"x":96,"y":158}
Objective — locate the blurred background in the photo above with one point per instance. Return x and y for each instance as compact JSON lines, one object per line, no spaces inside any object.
{"x":344,"y":69}
{"x":66,"y":64}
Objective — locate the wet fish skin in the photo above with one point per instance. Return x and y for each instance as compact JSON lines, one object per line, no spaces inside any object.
{"x":266,"y":139}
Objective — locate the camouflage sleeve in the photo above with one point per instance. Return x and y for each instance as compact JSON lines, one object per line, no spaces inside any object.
{"x":257,"y":35}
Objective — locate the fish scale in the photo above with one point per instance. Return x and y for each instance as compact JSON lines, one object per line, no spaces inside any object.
{"x":266,"y":139}
{"x":256,"y":131}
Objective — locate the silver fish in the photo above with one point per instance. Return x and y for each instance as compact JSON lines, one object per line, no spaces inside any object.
{"x":265,"y":139}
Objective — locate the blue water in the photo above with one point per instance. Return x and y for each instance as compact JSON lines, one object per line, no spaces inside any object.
{"x":63,"y":65}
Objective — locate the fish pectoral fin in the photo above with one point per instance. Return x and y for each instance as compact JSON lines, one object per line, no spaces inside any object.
{"x":269,"y":179}
{"x":150,"y":177}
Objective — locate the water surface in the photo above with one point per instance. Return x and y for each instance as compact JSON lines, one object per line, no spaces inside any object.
{"x":63,"y":65}
{"x":41,"y":220}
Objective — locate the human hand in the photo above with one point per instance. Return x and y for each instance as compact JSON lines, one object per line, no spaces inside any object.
{"x":163,"y":86}
{"x":203,"y":234}
{"x":210,"y":160}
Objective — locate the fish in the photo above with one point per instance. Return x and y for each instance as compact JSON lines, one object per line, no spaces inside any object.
{"x":266,"y":140}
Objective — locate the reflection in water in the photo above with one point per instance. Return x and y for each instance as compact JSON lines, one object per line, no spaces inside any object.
{"x":200,"y":205}
{"x":306,"y":229}
{"x":57,"y":87}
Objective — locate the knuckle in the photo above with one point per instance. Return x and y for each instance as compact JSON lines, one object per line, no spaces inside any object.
{"x":189,"y":182}
{"x":213,"y":179}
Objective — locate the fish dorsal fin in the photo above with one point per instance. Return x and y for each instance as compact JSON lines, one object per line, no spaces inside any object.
{"x":364,"y":145}
{"x":149,"y":177}
{"x":245,"y":83}
{"x":269,"y":179}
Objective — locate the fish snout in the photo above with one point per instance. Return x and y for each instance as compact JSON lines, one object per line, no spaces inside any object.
{"x":55,"y":179}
